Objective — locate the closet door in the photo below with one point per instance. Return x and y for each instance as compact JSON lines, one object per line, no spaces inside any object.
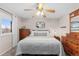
{"x":0,"y":37}
{"x":5,"y":31}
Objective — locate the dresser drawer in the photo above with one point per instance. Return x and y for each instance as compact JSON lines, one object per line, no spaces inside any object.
{"x":76,"y":52}
{"x":75,"y":47}
{"x":68,"y":50}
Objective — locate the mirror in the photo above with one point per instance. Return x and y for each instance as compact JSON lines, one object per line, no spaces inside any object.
{"x":75,"y":26}
{"x":40,"y":24}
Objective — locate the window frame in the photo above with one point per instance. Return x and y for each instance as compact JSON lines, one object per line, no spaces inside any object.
{"x":11,"y":15}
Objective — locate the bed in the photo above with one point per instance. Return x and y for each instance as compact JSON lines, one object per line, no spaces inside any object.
{"x":39,"y":43}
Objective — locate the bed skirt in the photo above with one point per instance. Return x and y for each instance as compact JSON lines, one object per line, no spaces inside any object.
{"x":38,"y":55}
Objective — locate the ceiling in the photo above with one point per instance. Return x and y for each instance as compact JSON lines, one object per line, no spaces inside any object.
{"x":18,"y":8}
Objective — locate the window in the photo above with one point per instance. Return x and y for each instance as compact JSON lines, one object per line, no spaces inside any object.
{"x":5,"y":21}
{"x":6,"y":25}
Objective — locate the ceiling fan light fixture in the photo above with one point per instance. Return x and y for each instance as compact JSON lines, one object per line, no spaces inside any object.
{"x":40,"y":7}
{"x":40,"y":13}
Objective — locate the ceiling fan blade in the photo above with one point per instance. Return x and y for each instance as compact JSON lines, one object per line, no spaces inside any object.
{"x":50,"y":10}
{"x":28,"y":9}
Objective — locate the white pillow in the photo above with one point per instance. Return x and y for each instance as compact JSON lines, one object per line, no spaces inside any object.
{"x":32,"y":33}
{"x":40,"y":33}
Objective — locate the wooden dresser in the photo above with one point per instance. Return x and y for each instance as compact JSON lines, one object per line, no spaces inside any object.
{"x":71,"y":41}
{"x":23,"y":33}
{"x":71,"y":44}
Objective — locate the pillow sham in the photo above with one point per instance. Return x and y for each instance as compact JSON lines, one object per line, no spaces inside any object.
{"x":40,"y":33}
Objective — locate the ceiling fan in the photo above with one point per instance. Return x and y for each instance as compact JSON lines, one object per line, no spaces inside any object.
{"x":41,"y":9}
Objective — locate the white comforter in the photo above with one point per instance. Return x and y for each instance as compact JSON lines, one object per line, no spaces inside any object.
{"x":38,"y":45}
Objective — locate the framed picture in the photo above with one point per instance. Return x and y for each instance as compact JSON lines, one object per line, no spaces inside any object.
{"x":40,"y":24}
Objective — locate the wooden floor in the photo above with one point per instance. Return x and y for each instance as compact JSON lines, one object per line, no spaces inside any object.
{"x":11,"y":52}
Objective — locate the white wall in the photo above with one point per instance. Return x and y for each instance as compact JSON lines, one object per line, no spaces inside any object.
{"x":15,"y":30}
{"x":64,"y":21}
{"x":50,"y":24}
